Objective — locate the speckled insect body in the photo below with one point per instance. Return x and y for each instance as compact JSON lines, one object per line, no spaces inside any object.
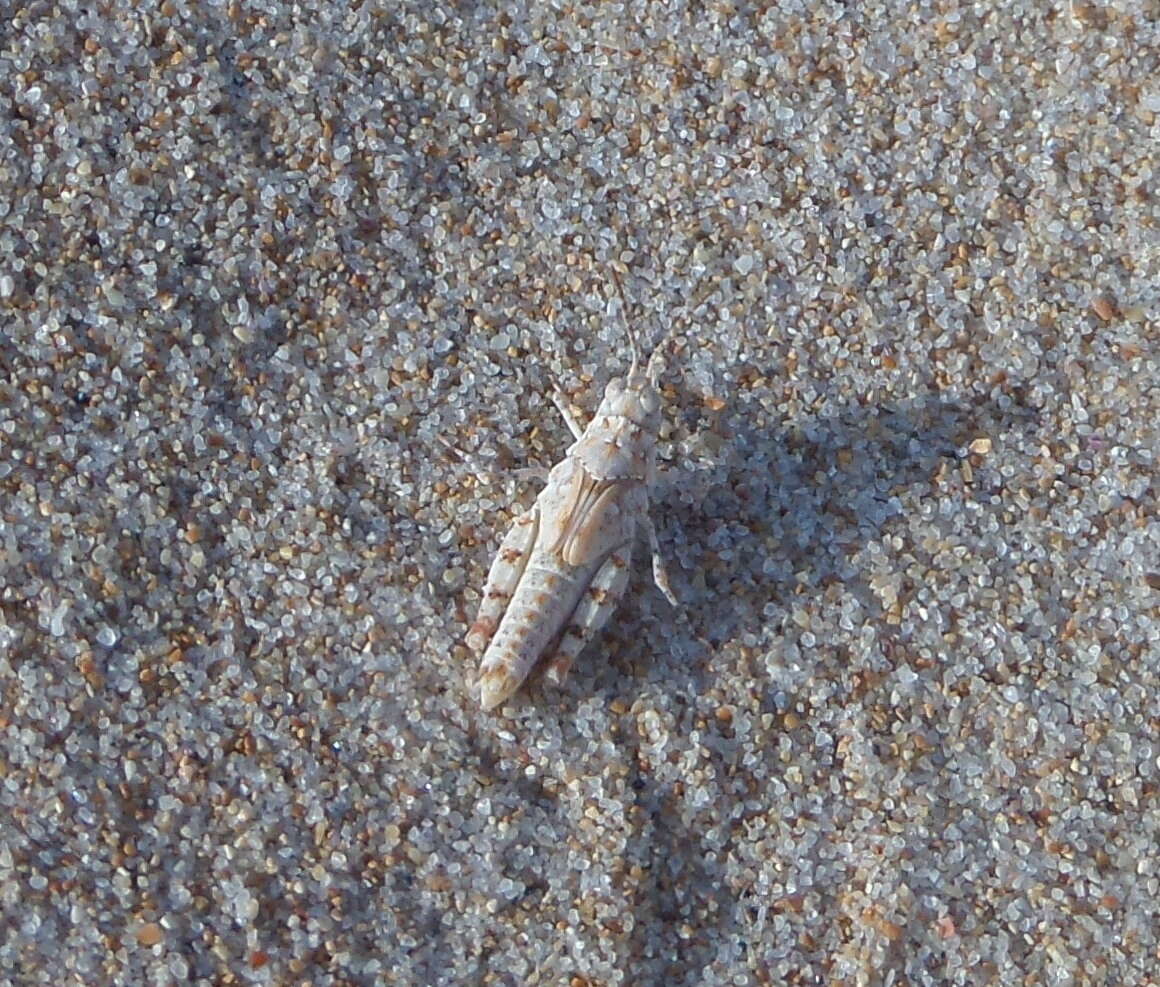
{"x":564,"y":564}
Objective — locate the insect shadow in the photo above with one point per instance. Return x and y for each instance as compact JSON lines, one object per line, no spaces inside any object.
{"x":782,"y":510}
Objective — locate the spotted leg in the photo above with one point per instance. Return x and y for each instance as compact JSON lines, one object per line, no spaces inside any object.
{"x":503,"y":578}
{"x":660,"y":576}
{"x":561,"y":404}
{"x":591,"y":612}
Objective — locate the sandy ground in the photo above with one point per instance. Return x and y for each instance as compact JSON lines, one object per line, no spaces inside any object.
{"x":282,"y":294}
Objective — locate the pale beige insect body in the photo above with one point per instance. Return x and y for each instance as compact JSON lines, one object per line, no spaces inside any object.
{"x":564,"y":564}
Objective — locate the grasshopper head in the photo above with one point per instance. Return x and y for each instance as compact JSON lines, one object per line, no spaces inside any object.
{"x":634,"y":397}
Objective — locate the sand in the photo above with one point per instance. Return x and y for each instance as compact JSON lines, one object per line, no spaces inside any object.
{"x":283,"y":293}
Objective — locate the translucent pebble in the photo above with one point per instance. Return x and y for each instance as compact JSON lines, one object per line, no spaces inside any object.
{"x":56,"y":622}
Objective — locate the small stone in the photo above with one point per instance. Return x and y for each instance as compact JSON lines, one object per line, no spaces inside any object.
{"x":150,"y":934}
{"x":1104,"y":308}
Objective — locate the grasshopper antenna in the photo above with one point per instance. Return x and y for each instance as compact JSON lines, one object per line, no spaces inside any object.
{"x":627,"y":324}
{"x":656,"y":357}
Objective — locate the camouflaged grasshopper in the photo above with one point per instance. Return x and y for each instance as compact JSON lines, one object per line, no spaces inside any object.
{"x":564,"y":564}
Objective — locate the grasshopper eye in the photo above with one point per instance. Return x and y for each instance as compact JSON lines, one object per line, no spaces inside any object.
{"x":650,"y":401}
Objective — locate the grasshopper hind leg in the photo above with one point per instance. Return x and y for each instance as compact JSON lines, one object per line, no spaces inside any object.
{"x":502,"y":579}
{"x":591,"y":613}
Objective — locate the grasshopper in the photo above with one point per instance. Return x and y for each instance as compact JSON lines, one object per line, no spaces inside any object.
{"x":564,"y":564}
